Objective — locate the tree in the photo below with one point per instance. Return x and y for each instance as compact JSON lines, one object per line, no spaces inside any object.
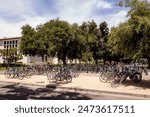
{"x":58,"y":35}
{"x":60,"y":39}
{"x":132,"y":38}
{"x":10,"y":55}
{"x":55,"y":38}
{"x":42,"y":42}
{"x":92,"y":49}
{"x":94,"y":45}
{"x":102,"y":36}
{"x":84,"y":37}
{"x":27,"y":45}
{"x":103,"y":32}
{"x":75,"y":44}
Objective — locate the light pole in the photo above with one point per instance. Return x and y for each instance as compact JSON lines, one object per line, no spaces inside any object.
{"x":7,"y":60}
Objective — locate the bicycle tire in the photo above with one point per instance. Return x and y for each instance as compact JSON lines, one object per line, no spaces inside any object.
{"x":136,"y":77}
{"x":103,"y":78}
{"x":69,"y":79}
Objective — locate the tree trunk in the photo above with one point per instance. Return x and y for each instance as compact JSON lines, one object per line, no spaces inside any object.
{"x":110,"y":62}
{"x":64,"y":61}
{"x":96,"y":61}
{"x":42,"y":58}
{"x":104,"y":61}
{"x":148,"y":60}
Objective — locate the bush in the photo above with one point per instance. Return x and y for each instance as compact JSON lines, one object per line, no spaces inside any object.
{"x":1,"y":65}
{"x":17,"y":64}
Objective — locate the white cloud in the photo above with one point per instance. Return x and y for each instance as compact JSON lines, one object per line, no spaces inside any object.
{"x":70,"y":10}
{"x":16,"y":7}
{"x":8,"y":30}
{"x":115,"y":19}
{"x":103,"y":4}
{"x":80,"y":10}
{"x":14,"y":29}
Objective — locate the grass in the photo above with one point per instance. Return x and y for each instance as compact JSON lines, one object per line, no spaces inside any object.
{"x":2,"y":68}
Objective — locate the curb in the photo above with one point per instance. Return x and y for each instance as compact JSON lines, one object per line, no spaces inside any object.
{"x":106,"y":92}
{"x":22,"y":83}
{"x":91,"y":91}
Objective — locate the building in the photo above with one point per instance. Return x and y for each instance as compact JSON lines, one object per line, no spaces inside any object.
{"x":15,"y":42}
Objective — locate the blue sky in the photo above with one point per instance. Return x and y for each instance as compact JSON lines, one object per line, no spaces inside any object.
{"x":16,"y":13}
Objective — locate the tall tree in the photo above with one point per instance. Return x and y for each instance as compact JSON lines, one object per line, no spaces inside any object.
{"x":103,"y":38}
{"x":27,"y":45}
{"x":132,"y":38}
{"x":10,"y":55}
{"x":86,"y":54}
{"x":75,"y":43}
{"x":59,"y":32}
{"x":103,"y":32}
{"x":94,"y":45}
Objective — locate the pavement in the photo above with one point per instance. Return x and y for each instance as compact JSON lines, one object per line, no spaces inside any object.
{"x":87,"y":82}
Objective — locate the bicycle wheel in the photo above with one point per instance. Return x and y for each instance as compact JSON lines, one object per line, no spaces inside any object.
{"x":49,"y":76}
{"x":7,"y":74}
{"x":69,"y":79}
{"x":103,"y":78}
{"x":20,"y":75}
{"x":58,"y":78}
{"x":136,"y":77}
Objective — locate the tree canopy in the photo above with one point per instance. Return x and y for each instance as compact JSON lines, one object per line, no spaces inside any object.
{"x":58,"y":38}
{"x":10,"y":55}
{"x":132,"y":37}
{"x":91,"y":42}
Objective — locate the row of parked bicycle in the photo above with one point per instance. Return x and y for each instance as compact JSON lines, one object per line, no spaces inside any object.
{"x":119,"y":74}
{"x":108,"y":73}
{"x":53,"y":73}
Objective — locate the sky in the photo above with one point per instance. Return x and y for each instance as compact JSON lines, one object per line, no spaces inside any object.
{"x":16,"y":13}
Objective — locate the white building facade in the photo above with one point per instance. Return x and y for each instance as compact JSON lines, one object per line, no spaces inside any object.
{"x":15,"y":42}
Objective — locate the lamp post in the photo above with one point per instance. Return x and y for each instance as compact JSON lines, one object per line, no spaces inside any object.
{"x":7,"y":59}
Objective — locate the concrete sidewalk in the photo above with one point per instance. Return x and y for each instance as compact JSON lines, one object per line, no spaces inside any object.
{"x":89,"y":82}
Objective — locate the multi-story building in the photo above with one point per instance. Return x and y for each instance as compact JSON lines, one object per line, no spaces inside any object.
{"x":15,"y":42}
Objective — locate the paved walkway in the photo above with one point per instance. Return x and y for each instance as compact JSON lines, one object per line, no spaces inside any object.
{"x":90,"y":82}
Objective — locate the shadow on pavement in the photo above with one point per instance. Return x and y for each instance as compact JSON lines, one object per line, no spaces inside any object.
{"x":144,"y":84}
{"x":17,"y":92}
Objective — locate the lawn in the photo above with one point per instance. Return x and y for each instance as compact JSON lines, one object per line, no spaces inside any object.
{"x":2,"y":68}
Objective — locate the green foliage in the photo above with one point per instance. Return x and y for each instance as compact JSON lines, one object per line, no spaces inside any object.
{"x":58,"y":38}
{"x":2,"y":68}
{"x":132,"y":38}
{"x":27,"y":45}
{"x":11,"y":55}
